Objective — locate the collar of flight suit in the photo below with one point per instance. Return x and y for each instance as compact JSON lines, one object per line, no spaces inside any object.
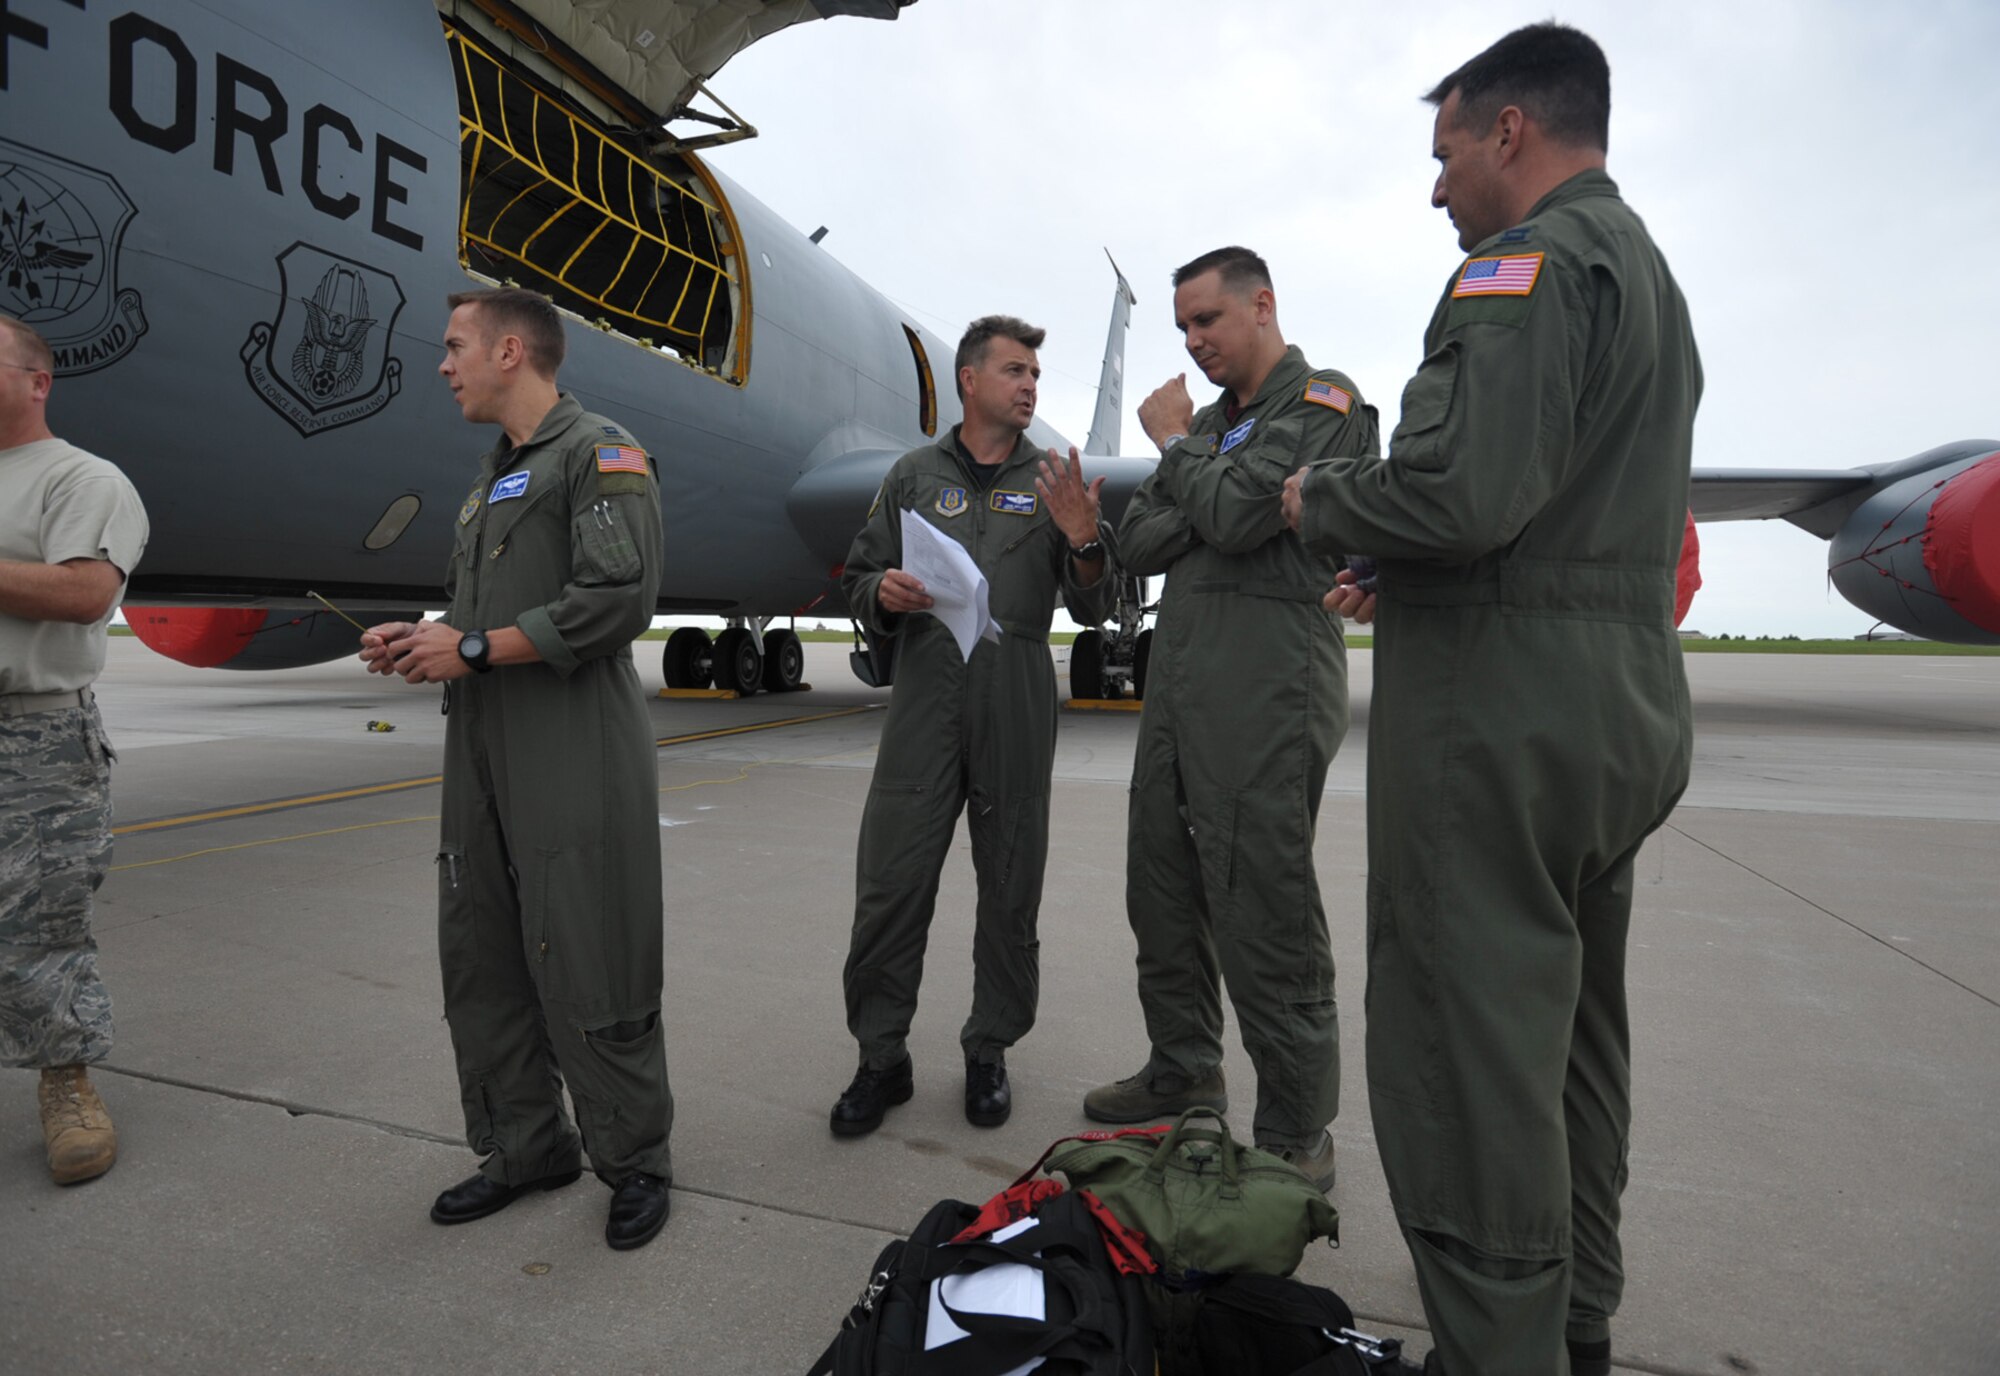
{"x":1286,"y":374}
{"x":1593,"y":181}
{"x":561,"y":416}
{"x":1024,"y":449}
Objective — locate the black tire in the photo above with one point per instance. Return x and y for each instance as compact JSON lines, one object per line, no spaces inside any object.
{"x":1086,"y":665}
{"x":1142,"y":657}
{"x":688,"y":660}
{"x":737,"y":663}
{"x":784,"y":662}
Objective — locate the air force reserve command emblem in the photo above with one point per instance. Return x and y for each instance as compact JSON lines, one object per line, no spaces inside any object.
{"x":1013,"y":503}
{"x":61,"y":225}
{"x":951,"y":501}
{"x":324,"y":361}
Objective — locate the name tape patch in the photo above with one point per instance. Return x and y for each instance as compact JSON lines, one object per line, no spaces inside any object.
{"x":1238,"y":435}
{"x":513,"y":485}
{"x":1013,"y":503}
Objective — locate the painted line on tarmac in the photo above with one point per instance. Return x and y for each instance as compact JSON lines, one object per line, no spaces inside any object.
{"x":402,"y":785}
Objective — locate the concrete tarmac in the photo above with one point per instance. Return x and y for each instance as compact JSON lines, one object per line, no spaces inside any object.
{"x":1815,"y":989}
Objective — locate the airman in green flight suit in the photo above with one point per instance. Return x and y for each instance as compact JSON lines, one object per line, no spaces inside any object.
{"x":549,"y":912}
{"x":1246,"y":703}
{"x":1529,"y":725}
{"x":965,"y":734}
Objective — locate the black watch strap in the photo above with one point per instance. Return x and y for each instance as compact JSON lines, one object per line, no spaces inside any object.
{"x":1085,"y":552}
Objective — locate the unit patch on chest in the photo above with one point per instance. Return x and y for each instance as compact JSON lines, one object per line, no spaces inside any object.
{"x":469,"y":510}
{"x":1238,"y":435}
{"x":513,"y":485}
{"x":951,"y":501}
{"x":1013,"y":503}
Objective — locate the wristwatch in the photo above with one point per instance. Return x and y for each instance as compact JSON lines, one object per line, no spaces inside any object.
{"x":1084,"y":553}
{"x":475,"y":649}
{"x":1172,"y":440}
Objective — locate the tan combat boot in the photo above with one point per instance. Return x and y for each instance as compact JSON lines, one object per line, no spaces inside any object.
{"x":82,"y":1143}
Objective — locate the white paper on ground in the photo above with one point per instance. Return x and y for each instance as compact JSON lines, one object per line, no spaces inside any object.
{"x":1006,"y":1288}
{"x":955,"y":585}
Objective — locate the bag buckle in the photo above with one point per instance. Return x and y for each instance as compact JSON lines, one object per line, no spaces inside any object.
{"x":1370,"y":1347}
{"x":877,"y":1283}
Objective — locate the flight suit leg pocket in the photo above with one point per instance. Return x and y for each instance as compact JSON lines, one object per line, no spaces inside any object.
{"x":621,"y":1094}
{"x":896,"y":829}
{"x":1401,"y":1001}
{"x":458,"y":945}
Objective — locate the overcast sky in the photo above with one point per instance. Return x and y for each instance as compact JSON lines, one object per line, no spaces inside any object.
{"x":1823,"y":177}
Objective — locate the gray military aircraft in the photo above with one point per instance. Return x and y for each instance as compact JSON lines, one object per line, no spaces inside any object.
{"x":236,"y":222}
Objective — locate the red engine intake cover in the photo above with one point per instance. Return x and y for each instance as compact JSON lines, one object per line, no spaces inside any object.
{"x":1962,"y":543}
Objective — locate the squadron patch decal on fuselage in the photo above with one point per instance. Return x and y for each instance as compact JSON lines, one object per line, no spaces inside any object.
{"x":324,"y":361}
{"x":59,"y":261}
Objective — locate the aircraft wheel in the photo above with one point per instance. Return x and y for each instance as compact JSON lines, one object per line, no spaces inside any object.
{"x":737,"y":663}
{"x":688,"y":659}
{"x":784,"y":661}
{"x":1086,"y":665}
{"x":1142,"y":657}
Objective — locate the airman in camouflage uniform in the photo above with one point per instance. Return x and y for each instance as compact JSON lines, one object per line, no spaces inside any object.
{"x":71,"y":529}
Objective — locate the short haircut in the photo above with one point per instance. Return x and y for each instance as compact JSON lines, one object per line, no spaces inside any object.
{"x":1555,"y":74}
{"x":518,"y":311}
{"x":982,"y":332}
{"x":1242,"y":271}
{"x":32,"y":344}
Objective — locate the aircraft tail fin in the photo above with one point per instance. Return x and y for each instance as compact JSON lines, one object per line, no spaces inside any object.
{"x":1111,"y":381}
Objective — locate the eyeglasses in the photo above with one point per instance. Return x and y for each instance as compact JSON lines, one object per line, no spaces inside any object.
{"x":24,"y":367}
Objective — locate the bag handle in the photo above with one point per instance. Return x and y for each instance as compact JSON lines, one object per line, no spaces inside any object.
{"x":1232,"y":1171}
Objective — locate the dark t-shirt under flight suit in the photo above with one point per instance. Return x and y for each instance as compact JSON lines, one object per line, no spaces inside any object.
{"x":1246,"y":703}
{"x":549,"y":921}
{"x":977,"y":735}
{"x":1528,"y":729}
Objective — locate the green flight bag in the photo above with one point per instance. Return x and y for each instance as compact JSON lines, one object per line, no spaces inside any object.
{"x":1206,"y":1203}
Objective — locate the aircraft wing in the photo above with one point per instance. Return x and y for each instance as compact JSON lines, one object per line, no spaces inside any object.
{"x":1760,"y":494}
{"x":660,"y":51}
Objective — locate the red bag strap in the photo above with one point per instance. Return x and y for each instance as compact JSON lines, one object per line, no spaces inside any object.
{"x":1011,"y":1205}
{"x":1127,"y":1245}
{"x":1156,"y":1130}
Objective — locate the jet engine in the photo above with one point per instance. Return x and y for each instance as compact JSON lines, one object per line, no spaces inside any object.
{"x":249,"y":637}
{"x":1923,"y":552}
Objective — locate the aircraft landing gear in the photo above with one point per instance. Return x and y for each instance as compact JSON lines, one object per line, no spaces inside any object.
{"x":1111,"y":664}
{"x":738,"y":662}
{"x":784,"y":661}
{"x":689,"y":659}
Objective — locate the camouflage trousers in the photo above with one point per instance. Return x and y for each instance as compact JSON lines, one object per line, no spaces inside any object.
{"x":55,"y":844}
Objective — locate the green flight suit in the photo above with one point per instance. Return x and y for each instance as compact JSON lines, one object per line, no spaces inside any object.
{"x":1529,"y":728}
{"x":977,"y":735}
{"x":1246,"y":703}
{"x":549,"y":913}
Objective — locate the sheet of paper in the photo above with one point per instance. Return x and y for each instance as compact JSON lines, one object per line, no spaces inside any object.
{"x":1007,"y":1288}
{"x":953,"y":581}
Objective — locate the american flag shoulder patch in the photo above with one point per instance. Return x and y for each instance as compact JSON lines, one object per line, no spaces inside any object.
{"x":620,"y":458}
{"x":1513,"y":275}
{"x":1326,"y":394}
